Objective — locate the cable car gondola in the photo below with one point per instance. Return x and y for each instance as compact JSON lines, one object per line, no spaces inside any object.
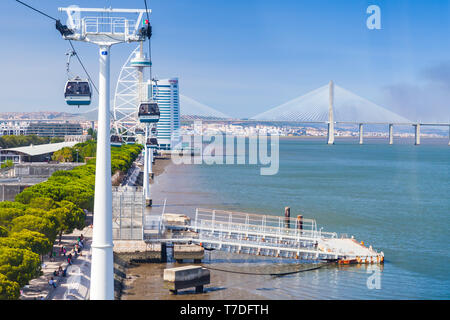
{"x":152,"y":142}
{"x":116,"y":141}
{"x":130,"y":140}
{"x":149,"y":112}
{"x":78,"y":92}
{"x":139,"y":131}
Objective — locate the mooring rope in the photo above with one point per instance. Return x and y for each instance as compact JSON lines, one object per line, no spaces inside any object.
{"x":267,"y":274}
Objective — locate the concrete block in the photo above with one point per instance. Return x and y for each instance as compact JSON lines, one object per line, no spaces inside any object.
{"x":186,"y":277}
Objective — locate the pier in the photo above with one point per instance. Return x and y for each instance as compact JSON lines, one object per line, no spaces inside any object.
{"x":259,"y":235}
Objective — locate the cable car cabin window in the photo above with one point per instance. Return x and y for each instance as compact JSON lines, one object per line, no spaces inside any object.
{"x":78,"y":89}
{"x":149,"y":111}
{"x":116,"y":139}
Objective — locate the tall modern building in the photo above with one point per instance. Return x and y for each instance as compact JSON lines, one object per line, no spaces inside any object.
{"x":166,"y":93}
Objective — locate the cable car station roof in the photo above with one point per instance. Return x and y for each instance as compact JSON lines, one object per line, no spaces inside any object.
{"x":36,"y":150}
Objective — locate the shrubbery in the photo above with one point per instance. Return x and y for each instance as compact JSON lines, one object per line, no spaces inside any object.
{"x":29,"y":226}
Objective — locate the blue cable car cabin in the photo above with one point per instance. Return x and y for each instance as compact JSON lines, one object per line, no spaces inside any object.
{"x":78,"y":92}
{"x":148,"y":112}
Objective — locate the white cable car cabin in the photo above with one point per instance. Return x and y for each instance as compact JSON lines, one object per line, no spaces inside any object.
{"x":116,"y":141}
{"x":149,"y":112}
{"x":78,"y":92}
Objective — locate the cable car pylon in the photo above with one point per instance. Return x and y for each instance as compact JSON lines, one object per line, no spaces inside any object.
{"x":103,"y":27}
{"x":148,"y":114}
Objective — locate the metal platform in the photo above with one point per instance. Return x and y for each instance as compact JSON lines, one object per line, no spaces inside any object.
{"x":261,"y":235}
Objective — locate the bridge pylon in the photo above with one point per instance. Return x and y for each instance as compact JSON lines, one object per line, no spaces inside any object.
{"x":331,"y":114}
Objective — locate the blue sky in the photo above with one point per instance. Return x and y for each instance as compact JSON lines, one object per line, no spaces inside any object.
{"x":245,"y":57}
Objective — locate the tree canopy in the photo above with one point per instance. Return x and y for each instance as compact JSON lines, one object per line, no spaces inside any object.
{"x":19,"y":265}
{"x":35,"y":223}
{"x":22,"y":141}
{"x":29,"y":225}
{"x":36,"y":241}
{"x":9,"y":290}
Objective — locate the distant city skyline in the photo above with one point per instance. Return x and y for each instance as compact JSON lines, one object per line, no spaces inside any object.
{"x":245,"y":57}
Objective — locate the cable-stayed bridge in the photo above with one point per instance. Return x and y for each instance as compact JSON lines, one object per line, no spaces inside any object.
{"x":191,"y":109}
{"x":332,"y":104}
{"x":347,"y":107}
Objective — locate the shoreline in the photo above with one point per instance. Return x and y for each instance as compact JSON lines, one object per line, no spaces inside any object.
{"x":129,"y":272}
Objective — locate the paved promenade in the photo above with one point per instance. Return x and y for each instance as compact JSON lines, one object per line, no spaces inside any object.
{"x":75,"y":286}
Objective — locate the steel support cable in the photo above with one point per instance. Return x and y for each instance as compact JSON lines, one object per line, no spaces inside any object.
{"x":39,"y":11}
{"x":82,"y":65}
{"x":71,"y":44}
{"x":149,"y":50}
{"x":73,"y":48}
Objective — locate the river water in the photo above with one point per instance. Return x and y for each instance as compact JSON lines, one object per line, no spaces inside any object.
{"x":395,"y":198}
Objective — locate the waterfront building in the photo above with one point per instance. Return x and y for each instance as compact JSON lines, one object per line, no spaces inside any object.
{"x":57,"y":129}
{"x":166,"y":93}
{"x":13,"y":128}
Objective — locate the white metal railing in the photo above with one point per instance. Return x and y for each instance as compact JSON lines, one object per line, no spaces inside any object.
{"x":106,"y":25}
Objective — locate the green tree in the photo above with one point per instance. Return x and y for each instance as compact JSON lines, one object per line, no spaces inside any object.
{"x":36,"y":241}
{"x":19,"y":265}
{"x":92,"y":133}
{"x":69,"y":217}
{"x":7,"y":164}
{"x":9,"y":290}
{"x":21,"y":141}
{"x":64,"y":155}
{"x":8,"y":214}
{"x":12,"y":204}
{"x":9,"y":242}
{"x":3,"y":232}
{"x":43,"y":203}
{"x":35,"y":223}
{"x":56,"y":140}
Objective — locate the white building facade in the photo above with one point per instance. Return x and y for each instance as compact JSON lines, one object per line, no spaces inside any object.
{"x":166,"y":93}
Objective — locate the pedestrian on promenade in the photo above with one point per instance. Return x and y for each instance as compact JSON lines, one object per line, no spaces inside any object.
{"x":64,"y":251}
{"x":52,"y":282}
{"x":82,"y":239}
{"x":69,"y":259}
